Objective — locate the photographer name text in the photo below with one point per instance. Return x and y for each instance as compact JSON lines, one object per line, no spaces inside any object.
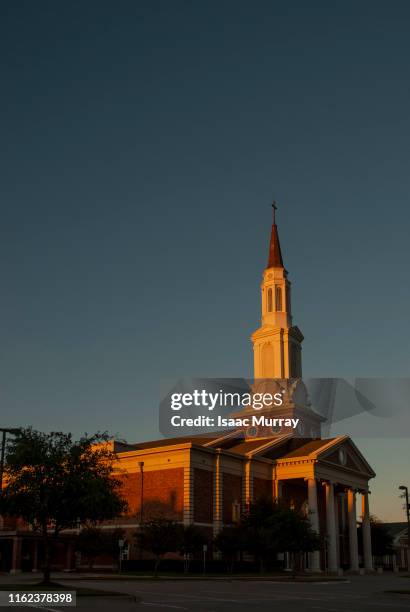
{"x":220,"y":421}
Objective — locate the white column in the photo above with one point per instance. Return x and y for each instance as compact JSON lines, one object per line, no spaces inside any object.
{"x":275,"y":485}
{"x":353,"y":548}
{"x":277,"y":494}
{"x":337,"y":527}
{"x":331,"y":528}
{"x":366,"y":533}
{"x":314,"y":557}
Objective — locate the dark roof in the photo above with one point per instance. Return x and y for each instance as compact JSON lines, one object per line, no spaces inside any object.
{"x":200,"y":440}
{"x":276,"y":448}
{"x":275,"y":254}
{"x":239,"y":445}
{"x":248,"y":446}
{"x":306,"y":449}
{"x":122,"y":447}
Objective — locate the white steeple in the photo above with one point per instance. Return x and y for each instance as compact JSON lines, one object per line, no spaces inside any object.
{"x":277,"y":343}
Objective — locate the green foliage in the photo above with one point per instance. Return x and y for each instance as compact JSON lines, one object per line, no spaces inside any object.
{"x":90,"y":543}
{"x":159,"y":536}
{"x":54,"y":482}
{"x":230,"y":541}
{"x":261,"y":532}
{"x":190,"y":539}
{"x":265,"y":530}
{"x":93,"y":541}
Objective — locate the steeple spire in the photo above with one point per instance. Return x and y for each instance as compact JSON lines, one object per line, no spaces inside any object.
{"x":277,"y":342}
{"x":275,"y":255}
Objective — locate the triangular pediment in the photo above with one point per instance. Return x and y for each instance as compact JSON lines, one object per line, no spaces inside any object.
{"x":343,"y":453}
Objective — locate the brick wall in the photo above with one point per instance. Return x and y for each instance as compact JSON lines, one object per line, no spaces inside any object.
{"x":262,"y":488}
{"x":163,"y":493}
{"x":203,"y":495}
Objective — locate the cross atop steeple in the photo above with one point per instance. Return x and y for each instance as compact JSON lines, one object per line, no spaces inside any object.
{"x":274,"y":209}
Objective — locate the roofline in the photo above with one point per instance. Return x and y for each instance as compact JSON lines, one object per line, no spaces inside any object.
{"x":269,"y":444}
{"x":176,"y":447}
{"x":335,"y":442}
{"x":345,"y":438}
{"x":221,"y":438}
{"x":371,"y":470}
{"x":330,"y":443}
{"x":155,"y":449}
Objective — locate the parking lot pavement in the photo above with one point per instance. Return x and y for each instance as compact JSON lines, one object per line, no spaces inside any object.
{"x":354,"y":594}
{"x":358,"y":593}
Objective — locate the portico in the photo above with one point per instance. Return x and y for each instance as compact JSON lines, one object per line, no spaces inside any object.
{"x":334,"y":473}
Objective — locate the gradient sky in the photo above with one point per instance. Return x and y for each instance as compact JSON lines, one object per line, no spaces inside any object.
{"x":142,"y":144}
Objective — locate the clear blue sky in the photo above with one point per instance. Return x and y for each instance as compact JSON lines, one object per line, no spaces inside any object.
{"x":142,"y":143}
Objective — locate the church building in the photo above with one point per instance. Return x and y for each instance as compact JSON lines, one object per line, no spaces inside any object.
{"x":208,"y":481}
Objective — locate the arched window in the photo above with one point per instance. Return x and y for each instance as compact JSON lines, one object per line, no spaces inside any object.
{"x":269,"y":300}
{"x":278,"y":298}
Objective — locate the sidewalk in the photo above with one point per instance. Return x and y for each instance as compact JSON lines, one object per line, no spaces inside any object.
{"x":27,"y":577}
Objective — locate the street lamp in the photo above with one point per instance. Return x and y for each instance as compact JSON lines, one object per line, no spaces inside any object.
{"x":5,"y":430}
{"x":406,"y":496}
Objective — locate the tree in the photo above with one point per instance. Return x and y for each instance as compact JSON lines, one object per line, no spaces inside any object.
{"x":261,"y":531}
{"x":159,"y":536}
{"x":190,"y":540}
{"x":54,"y":482}
{"x":93,"y":541}
{"x":271,"y":528}
{"x":230,"y":541}
{"x":296,"y":536}
{"x":90,"y":543}
{"x":110,"y":542}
